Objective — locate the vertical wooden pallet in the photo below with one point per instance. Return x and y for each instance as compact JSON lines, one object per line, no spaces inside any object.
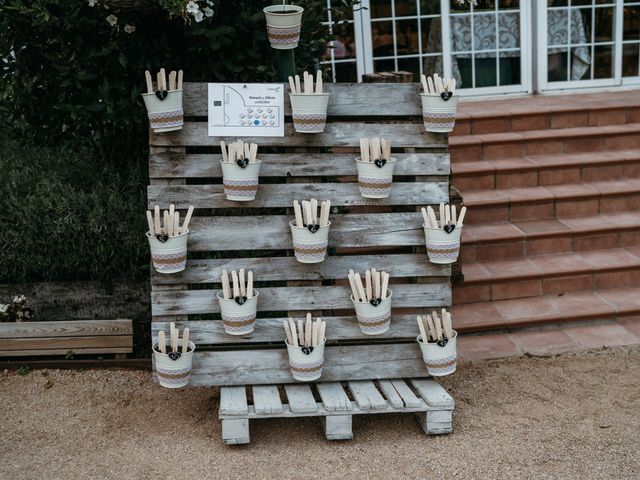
{"x":184,"y":168}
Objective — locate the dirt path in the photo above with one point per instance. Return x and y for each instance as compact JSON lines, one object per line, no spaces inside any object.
{"x":573,"y":416}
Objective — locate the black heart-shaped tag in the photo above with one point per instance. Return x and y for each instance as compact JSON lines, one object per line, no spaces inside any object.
{"x":446,"y":96}
{"x":240,"y":300}
{"x":161,"y":94}
{"x":443,"y":342}
{"x":375,"y":301}
{"x":307,"y":350}
{"x":162,"y":237}
{"x":174,"y":355}
{"x":381,"y":162}
{"x":449,"y":228}
{"x":242,"y":162}
{"x":313,"y":228}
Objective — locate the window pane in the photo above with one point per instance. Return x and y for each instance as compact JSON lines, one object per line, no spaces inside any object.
{"x":344,"y":45}
{"x":407,"y":37}
{"x":382,"y":38}
{"x":384,"y":65}
{"x":508,"y":4}
{"x":457,"y":6}
{"x":557,"y":27}
{"x":486,"y":72}
{"x":510,"y":68}
{"x":630,"y":56}
{"x":509,"y":30}
{"x":410,"y":65}
{"x":557,"y":65}
{"x":405,"y":8}
{"x":631,"y":23}
{"x":580,"y":26}
{"x":460,"y":33}
{"x":380,"y":8}
{"x":580,"y":63}
{"x":431,"y":35}
{"x":429,"y":7}
{"x":431,"y":65}
{"x":464,"y":67}
{"x":604,"y":25}
{"x":484,"y":27}
{"x":346,"y":72}
{"x":603,"y":65}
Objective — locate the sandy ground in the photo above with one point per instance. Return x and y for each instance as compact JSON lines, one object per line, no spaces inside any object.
{"x":572,"y":416}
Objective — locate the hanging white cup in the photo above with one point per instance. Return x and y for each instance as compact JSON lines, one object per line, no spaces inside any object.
{"x":439,"y":357}
{"x":306,"y":362}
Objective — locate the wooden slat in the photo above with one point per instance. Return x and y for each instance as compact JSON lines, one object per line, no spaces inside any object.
{"x":433,"y":393}
{"x":195,"y":134}
{"x":68,"y":343}
{"x":367,"y":395}
{"x":233,"y":401}
{"x":63,"y":351}
{"x":258,"y":366}
{"x":276,"y":195}
{"x":211,"y":332}
{"x":334,"y":398}
{"x":300,"y":398}
{"x":288,"y":268}
{"x":74,"y":328}
{"x":408,"y":397}
{"x":390,"y":392}
{"x":296,"y":298}
{"x":347,"y":99}
{"x":265,"y":232}
{"x":295,"y":165}
{"x":266,"y":399}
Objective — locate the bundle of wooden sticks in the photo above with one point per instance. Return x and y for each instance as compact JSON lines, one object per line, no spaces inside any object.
{"x":437,"y":85}
{"x":175,"y":81}
{"x":448,"y":217}
{"x":240,"y":288}
{"x":239,"y":151}
{"x":372,"y":150}
{"x":174,"y":336}
{"x":435,"y":329}
{"x":375,"y":288}
{"x":296,"y":88}
{"x":307,"y":334}
{"x":308,"y":214}
{"x":170,"y":225}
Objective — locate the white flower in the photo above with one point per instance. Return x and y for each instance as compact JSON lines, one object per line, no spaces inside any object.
{"x":208,"y":12}
{"x":129,"y":28}
{"x":92,"y":3}
{"x":112,"y":20}
{"x":198,"y":16}
{"x":210,"y":3}
{"x":193,"y":8}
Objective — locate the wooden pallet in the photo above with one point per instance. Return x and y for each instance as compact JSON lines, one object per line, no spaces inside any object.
{"x":432,"y":405}
{"x":385,"y":234}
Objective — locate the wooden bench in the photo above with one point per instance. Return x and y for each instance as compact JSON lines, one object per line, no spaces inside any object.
{"x":184,"y":168}
{"x":59,"y":338}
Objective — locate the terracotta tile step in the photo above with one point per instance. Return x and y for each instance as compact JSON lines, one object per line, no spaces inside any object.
{"x":492,"y":146}
{"x":499,"y":241}
{"x":620,"y":303}
{"x":542,"y":170}
{"x":552,"y":201}
{"x":553,"y":274}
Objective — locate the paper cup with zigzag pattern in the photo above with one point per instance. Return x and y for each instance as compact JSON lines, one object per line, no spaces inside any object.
{"x":374,"y":181}
{"x":309,"y":112}
{"x":165,"y":115}
{"x":238,"y":319}
{"x":374,"y":319}
{"x":240,"y":184}
{"x":306,"y":362}
{"x":173,"y":373}
{"x":308,"y":246}
{"x":169,"y":256}
{"x":442,"y":247}
{"x":283,"y":29}
{"x":439,"y":359}
{"x":439,"y":115}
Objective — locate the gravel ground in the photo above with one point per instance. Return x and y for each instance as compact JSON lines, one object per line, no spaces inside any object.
{"x":571,"y":416}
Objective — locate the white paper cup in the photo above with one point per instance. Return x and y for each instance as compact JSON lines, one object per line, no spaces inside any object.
{"x":373,"y":320}
{"x":169,"y":256}
{"x":238,"y":319}
{"x":240,"y":184}
{"x":306,"y":362}
{"x":439,"y":115}
{"x":164,"y":115}
{"x":439,"y":360}
{"x":283,"y":30}
{"x":308,"y":246}
{"x":309,"y":112}
{"x":375,"y":181}
{"x":442,"y":247}
{"x":173,"y":373}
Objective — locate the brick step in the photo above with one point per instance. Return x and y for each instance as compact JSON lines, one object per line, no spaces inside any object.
{"x":552,"y":201}
{"x":500,"y":241}
{"x":551,"y":274}
{"x":547,"y":112}
{"x":606,"y":304}
{"x":491,"y":146}
{"x":542,"y":170}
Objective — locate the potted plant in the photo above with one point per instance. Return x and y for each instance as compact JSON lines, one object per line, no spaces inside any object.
{"x":173,"y":361}
{"x":439,"y":103}
{"x":443,"y":239}
{"x":240,"y":171}
{"x":437,"y":342}
{"x":168,"y":240}
{"x":164,"y":104}
{"x":375,"y":168}
{"x":308,"y":103}
{"x":283,"y":25}
{"x":238,"y":306}
{"x":305,"y":347}
{"x":310,"y":231}
{"x":371,"y":301}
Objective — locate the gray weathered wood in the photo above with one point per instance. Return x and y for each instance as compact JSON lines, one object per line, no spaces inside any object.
{"x":337,"y":427}
{"x":266,"y":399}
{"x":333,"y":396}
{"x":431,"y":427}
{"x":405,"y":392}
{"x":233,"y":401}
{"x":274,"y":195}
{"x":297,"y":298}
{"x":268,"y":269}
{"x":300,"y":398}
{"x":367,"y":395}
{"x":64,"y":351}
{"x":76,"y":328}
{"x":69,"y":343}
{"x":390,"y":393}
{"x":235,"y":432}
{"x":199,"y":165}
{"x":433,"y":393}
